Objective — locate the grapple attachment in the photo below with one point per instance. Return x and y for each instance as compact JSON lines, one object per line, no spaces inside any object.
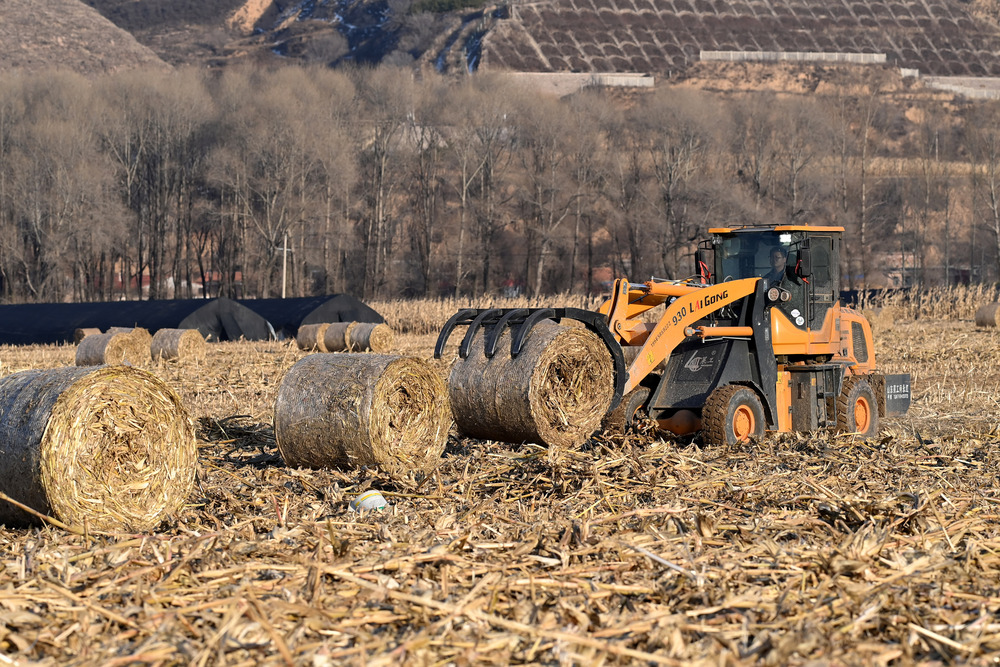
{"x":521,"y":321}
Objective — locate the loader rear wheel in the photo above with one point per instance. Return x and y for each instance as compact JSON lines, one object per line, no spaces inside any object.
{"x":732,"y":414}
{"x":857,"y":411}
{"x":624,"y":416}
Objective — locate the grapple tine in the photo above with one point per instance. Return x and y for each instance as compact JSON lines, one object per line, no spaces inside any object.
{"x":533,"y":318}
{"x":449,"y":326}
{"x":484,"y":315}
{"x":493,"y":337}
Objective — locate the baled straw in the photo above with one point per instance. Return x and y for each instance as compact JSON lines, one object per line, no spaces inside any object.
{"x":368,"y":336}
{"x":110,"y":448}
{"x":555,"y":392}
{"x":112,"y":349}
{"x":988,"y":315}
{"x":385,"y":411}
{"x":337,"y":337}
{"x":142,"y":336}
{"x":177,"y":344}
{"x":310,"y":337}
{"x":83,"y":332}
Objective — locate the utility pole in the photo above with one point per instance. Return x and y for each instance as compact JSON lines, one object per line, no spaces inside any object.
{"x":284,"y":263}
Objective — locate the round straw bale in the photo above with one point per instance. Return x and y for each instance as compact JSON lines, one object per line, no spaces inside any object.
{"x":385,"y":411}
{"x":177,"y":344}
{"x":143,"y":336}
{"x":988,"y":315}
{"x":368,"y":336}
{"x":110,"y":448}
{"x":338,"y":336}
{"x":83,"y":332}
{"x":112,"y":349}
{"x":310,"y":337}
{"x":555,"y":392}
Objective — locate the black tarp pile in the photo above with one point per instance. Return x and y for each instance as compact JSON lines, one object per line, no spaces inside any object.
{"x":216,"y":319}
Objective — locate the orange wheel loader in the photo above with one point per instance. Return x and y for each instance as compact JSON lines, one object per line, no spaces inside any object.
{"x":733,"y":353}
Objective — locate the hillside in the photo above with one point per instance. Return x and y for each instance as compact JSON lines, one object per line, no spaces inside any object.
{"x":662,"y":37}
{"x":68,"y":34}
{"x":941,"y":38}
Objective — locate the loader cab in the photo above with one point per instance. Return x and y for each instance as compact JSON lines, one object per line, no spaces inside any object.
{"x":810,"y":276}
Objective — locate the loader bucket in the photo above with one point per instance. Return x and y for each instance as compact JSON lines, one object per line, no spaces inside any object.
{"x":521,"y":321}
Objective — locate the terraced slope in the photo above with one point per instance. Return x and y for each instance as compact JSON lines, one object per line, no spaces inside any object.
{"x":937,"y":37}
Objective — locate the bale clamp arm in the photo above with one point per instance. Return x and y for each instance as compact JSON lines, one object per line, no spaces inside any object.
{"x":521,"y":321}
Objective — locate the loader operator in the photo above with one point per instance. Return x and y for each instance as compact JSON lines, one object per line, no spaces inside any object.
{"x":779,"y":257}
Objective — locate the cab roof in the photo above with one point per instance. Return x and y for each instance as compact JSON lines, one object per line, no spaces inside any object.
{"x":773,"y":228}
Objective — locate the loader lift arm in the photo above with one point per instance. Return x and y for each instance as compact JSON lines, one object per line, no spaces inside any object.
{"x":688,"y":303}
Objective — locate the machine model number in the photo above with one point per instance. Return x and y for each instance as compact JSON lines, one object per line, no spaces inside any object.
{"x":680,"y":315}
{"x":698,"y":305}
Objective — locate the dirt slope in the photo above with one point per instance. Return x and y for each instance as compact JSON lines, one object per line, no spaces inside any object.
{"x":66,"y":34}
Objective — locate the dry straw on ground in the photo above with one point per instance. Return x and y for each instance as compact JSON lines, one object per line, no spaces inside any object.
{"x":113,"y":349}
{"x":386,"y":411}
{"x":554,"y":392}
{"x":171,"y":344}
{"x":632,"y":549}
{"x":107,"y":449}
{"x":337,"y":337}
{"x":310,"y":337}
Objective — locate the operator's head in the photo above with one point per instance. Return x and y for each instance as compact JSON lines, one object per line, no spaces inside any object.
{"x":778,"y":257}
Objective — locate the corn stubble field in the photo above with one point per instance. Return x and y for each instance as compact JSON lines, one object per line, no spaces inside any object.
{"x":637,"y":548}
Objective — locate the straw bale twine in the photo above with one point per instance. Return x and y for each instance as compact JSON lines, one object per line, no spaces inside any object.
{"x":337,"y":337}
{"x":83,"y":332}
{"x":177,"y":344}
{"x":111,"y":448}
{"x":555,"y":392}
{"x":310,"y":337}
{"x":386,"y":411}
{"x":112,"y":349}
{"x":988,"y":315}
{"x":368,"y":336}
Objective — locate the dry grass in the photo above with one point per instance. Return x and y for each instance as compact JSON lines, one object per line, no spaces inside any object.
{"x":790,"y":550}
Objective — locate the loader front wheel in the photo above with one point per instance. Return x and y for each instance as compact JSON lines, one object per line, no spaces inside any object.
{"x":632,"y":406}
{"x":732,"y":414}
{"x":857,"y":411}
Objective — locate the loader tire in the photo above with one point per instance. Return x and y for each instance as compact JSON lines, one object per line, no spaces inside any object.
{"x":631,"y":407}
{"x":732,"y":414}
{"x":857,"y":409}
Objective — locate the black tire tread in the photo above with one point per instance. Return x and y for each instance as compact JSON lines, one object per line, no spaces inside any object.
{"x":620,"y":419}
{"x":715,"y":414}
{"x":845,"y":406}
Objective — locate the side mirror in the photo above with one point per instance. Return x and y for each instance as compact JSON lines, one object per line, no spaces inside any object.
{"x":803,"y":268}
{"x":701,"y":267}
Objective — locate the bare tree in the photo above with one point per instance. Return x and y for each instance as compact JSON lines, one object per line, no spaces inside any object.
{"x":265,"y":165}
{"x":386,"y":97}
{"x":754,"y":148}
{"x":58,"y":186}
{"x":589,"y":113}
{"x":544,"y":149}
{"x":984,"y":144}
{"x":425,"y":140}
{"x":676,"y":140}
{"x":482,"y":140}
